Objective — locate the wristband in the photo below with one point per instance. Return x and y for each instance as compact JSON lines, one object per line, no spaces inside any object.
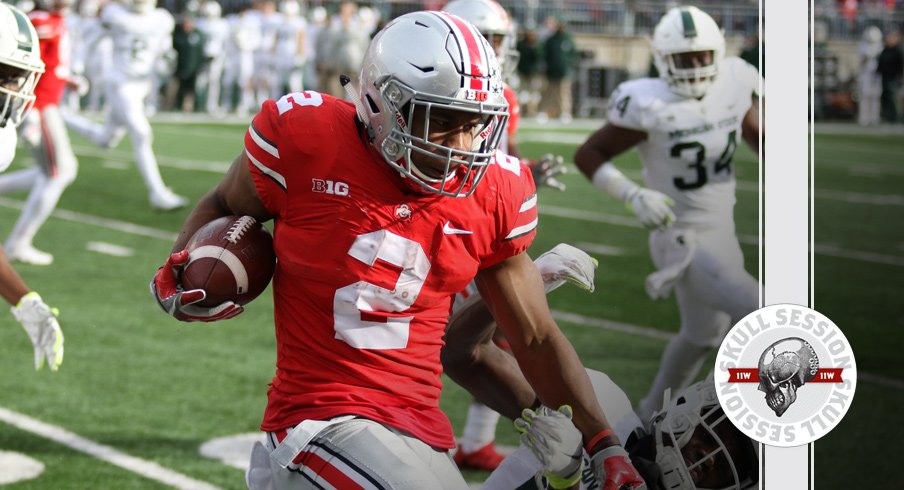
{"x":597,"y":438}
{"x":613,"y":182}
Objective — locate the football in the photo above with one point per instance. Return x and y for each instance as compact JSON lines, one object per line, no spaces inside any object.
{"x":231,"y":258}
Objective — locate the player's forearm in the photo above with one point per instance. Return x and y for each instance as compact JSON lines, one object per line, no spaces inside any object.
{"x":553,"y":368}
{"x":473,"y":361}
{"x":12,"y":287}
{"x":493,"y":378}
{"x":209,"y":208}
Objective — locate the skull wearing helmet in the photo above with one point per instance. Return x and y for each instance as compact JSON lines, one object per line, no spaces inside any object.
{"x":784,"y":367}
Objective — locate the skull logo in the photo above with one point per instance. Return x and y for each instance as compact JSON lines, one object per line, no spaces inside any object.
{"x":784,"y":367}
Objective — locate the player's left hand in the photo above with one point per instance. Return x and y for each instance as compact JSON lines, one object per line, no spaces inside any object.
{"x":566,"y":263}
{"x":555,"y":442}
{"x":40,"y":322}
{"x":612,"y":467}
{"x":545,"y":169}
{"x":181,"y":303}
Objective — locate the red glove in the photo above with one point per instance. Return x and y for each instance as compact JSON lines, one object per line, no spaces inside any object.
{"x":181,"y":304}
{"x":613,"y":469}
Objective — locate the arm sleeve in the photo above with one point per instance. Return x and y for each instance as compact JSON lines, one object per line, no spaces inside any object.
{"x":517,"y":216}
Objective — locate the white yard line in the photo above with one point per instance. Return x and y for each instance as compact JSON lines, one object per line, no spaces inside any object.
{"x":145,"y":468}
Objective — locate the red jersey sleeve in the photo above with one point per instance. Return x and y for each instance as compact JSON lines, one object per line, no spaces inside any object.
{"x":288,"y":138}
{"x":265,"y":151}
{"x":517,"y":216}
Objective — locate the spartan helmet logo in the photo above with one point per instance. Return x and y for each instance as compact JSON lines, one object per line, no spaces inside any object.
{"x":784,"y":367}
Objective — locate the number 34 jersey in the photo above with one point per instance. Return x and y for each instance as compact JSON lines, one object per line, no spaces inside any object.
{"x":690,"y":142}
{"x":366,"y":271}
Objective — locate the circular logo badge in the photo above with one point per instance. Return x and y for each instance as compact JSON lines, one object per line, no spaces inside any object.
{"x":785,"y":375}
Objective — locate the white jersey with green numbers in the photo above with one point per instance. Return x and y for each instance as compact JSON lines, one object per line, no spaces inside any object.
{"x":138,"y":40}
{"x":690,"y":142}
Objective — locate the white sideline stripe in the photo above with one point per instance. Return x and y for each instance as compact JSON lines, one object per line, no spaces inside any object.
{"x":599,"y":248}
{"x":115,"y":165}
{"x":653,"y":333}
{"x":110,"y":249}
{"x":166,"y":161}
{"x":115,"y":457}
{"x":111,"y":224}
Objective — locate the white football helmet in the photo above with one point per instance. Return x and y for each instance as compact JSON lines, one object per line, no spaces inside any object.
{"x":20,"y":65}
{"x":694,"y":438}
{"x":688,"y":47}
{"x":430,"y":61}
{"x":493,"y":22}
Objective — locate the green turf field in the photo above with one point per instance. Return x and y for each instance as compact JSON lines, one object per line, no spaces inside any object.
{"x":140,"y":383}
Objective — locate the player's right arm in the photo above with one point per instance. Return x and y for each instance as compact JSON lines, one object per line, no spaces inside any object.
{"x":236,"y":194}
{"x":624,"y":131}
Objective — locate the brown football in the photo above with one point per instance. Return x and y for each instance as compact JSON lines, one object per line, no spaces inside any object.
{"x":231,"y":258}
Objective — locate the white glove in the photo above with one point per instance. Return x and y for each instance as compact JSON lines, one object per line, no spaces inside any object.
{"x":652,"y":208}
{"x":40,"y":322}
{"x":566,"y":263}
{"x":546,"y":168}
{"x":555,"y":442}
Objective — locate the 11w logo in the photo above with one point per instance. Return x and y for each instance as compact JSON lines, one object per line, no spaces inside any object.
{"x":324,"y":186}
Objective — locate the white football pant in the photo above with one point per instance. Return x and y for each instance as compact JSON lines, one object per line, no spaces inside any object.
{"x":714,"y":291}
{"x":357,"y":453}
{"x":125,"y":110}
{"x":45,"y":134}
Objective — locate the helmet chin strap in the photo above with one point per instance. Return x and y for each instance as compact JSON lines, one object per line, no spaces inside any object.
{"x":352,"y":95}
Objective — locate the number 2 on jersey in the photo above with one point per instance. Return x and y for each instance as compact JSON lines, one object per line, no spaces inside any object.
{"x":352,"y":304}
{"x":723,"y":164}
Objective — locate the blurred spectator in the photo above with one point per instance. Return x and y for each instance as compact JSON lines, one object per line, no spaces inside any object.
{"x":531,"y":54}
{"x":216,"y":31}
{"x":751,"y":52}
{"x":341,"y":49}
{"x":890,"y":68}
{"x":869,"y":83}
{"x":189,"y":42}
{"x":560,"y":53}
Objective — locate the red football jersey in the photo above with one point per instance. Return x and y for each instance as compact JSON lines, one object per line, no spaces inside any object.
{"x":55,"y":52}
{"x":366,"y":270}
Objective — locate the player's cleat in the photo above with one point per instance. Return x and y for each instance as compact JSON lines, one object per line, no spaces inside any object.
{"x":486,"y":458}
{"x":168,"y":201}
{"x":27,"y":254}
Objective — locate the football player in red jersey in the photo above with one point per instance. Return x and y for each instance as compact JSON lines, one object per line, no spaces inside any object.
{"x":20,"y":69}
{"x":477,"y":449}
{"x":45,"y":133}
{"x":383,"y":209}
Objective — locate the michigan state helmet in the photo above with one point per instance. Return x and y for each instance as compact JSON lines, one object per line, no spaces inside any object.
{"x":20,"y":65}
{"x":428,"y":63}
{"x":688,"y":47}
{"x":697,"y":447}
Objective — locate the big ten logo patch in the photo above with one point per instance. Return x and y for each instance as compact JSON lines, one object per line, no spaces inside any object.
{"x":325,"y":186}
{"x":785,"y":375}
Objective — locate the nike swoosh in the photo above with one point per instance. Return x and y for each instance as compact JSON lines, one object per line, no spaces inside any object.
{"x":448,"y":230}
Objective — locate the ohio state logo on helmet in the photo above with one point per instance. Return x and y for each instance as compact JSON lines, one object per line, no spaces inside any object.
{"x":785,"y":375}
